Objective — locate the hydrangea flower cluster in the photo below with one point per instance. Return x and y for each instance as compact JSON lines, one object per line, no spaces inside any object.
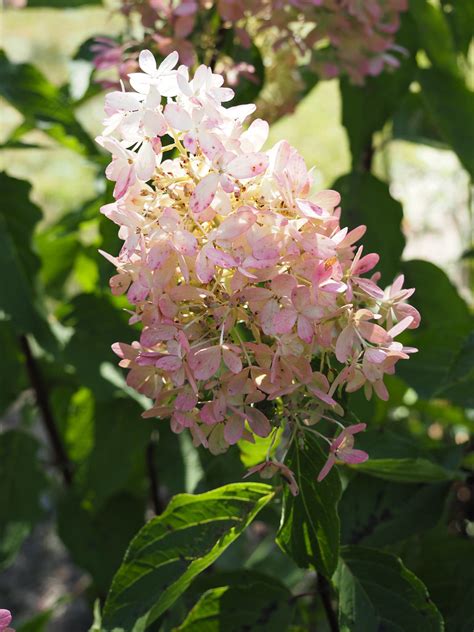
{"x":349,"y":36}
{"x":255,"y":305}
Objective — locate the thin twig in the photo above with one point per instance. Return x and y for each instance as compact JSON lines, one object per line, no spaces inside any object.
{"x":324,"y":589}
{"x":42,"y":401}
{"x":153,"y":478}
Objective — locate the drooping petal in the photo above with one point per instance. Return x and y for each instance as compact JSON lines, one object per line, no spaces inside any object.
{"x":327,"y":467}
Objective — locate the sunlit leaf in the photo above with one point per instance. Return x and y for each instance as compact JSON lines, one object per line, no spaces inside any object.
{"x":173,"y":548}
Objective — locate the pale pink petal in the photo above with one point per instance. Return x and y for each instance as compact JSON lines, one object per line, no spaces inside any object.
{"x":369,"y":287}
{"x":231,"y":360}
{"x":169,"y":363}
{"x":401,"y":326}
{"x":147,"y":62}
{"x":204,"y":193}
{"x":206,"y":362}
{"x":258,"y":422}
{"x":353,"y":456}
{"x":235,"y":225}
{"x":267,"y":316}
{"x":305,"y":329}
{"x":374,"y":333}
{"x":327,"y":467}
{"x":177,"y":117}
{"x":247,"y":166}
{"x":345,"y":343}
{"x":285,"y":320}
{"x":211,"y":146}
{"x":327,"y":199}
{"x":234,"y":429}
{"x":146,"y":161}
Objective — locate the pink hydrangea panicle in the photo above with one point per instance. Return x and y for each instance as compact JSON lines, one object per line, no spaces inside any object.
{"x":238,"y":273}
{"x":360,"y":36}
{"x":5,"y":620}
{"x":342,"y":450}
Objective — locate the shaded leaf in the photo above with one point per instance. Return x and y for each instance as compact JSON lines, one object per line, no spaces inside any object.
{"x":452,"y":116}
{"x":375,"y":512}
{"x":175,"y":547}
{"x":434,"y":34}
{"x":98,"y":540}
{"x":309,"y":531}
{"x":383,"y":93}
{"x":446,"y":323}
{"x":20,"y":491}
{"x":376,"y":592}
{"x":406,"y":470}
{"x":241,"y":601}
{"x":367,"y":200}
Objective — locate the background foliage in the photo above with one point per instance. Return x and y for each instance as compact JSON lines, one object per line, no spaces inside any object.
{"x":387,"y":545}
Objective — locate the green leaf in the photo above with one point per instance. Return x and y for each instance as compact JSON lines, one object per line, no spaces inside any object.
{"x":406,"y":470}
{"x":375,"y":512}
{"x":97,"y":540}
{"x":23,"y":482}
{"x":18,"y":261}
{"x":412,"y":122}
{"x":452,"y":116}
{"x":367,"y":200}
{"x":366,"y":109}
{"x":458,"y":384}
{"x":309,"y":531}
{"x":241,"y":601}
{"x":97,"y":323}
{"x":43,"y":105}
{"x":435,"y":35}
{"x":118,"y":430}
{"x":172,"y":549}
{"x":376,"y":592}
{"x":445,"y":325}
{"x":460,"y":17}
{"x":445,"y":563}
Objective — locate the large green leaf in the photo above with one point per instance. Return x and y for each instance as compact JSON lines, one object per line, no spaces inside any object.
{"x":460,"y":16}
{"x":18,"y":261}
{"x":366,"y":109}
{"x":97,"y":540}
{"x":22,"y":483}
{"x":375,"y":512}
{"x":376,"y":592}
{"x":309,"y":531}
{"x":458,"y":384}
{"x":445,"y":563}
{"x":406,"y":470}
{"x":241,"y":601}
{"x":451,"y":105}
{"x":97,"y":323}
{"x":445,"y":327}
{"x":172,"y":549}
{"x":43,"y":105}
{"x":367,"y":200}
{"x":435,"y":35}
